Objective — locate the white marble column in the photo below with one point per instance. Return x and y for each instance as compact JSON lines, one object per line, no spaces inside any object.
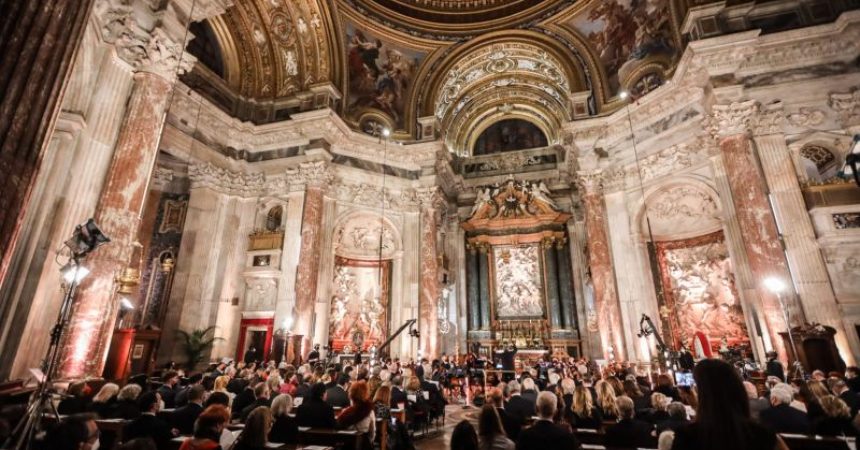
{"x":289,"y":257}
{"x":589,"y":339}
{"x":324,"y":283}
{"x":801,"y":247}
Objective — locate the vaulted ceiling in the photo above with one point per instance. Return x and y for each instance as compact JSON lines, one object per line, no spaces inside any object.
{"x":461,"y":64}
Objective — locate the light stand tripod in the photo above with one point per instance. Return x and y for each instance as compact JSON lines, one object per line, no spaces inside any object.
{"x":797,"y":371}
{"x":87,"y":237}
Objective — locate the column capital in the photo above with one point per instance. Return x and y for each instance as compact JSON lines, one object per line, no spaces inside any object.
{"x":208,"y":175}
{"x":590,"y":182}
{"x":316,"y":174}
{"x":847,"y":105}
{"x":769,"y":120}
{"x":149,"y":40}
{"x":732,"y":119}
{"x":430,"y":197}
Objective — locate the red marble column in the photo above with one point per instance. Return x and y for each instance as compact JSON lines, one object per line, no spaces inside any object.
{"x":310,"y":253}
{"x":749,"y":195}
{"x":38,"y":41}
{"x":600,"y":262}
{"x":428,"y":301}
{"x":118,"y":214}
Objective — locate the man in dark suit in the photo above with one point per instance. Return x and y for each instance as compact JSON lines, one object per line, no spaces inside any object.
{"x":517,"y":406}
{"x":245,"y":398}
{"x":148,"y":425}
{"x":336,"y":395}
{"x":510,"y":424}
{"x":780,"y":417}
{"x":398,"y":396}
{"x":629,"y":431}
{"x":314,"y":412}
{"x":168,"y":389}
{"x":261,"y":398}
{"x":304,"y":388}
{"x":545,"y":435}
{"x":529,"y":390}
{"x":181,"y":398}
{"x":183,"y":418}
{"x":840,"y":389}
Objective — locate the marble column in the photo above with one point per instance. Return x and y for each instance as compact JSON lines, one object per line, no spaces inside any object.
{"x":584,"y":302}
{"x":428,"y":306}
{"x":606,"y":301}
{"x":290,"y":257}
{"x":565,"y":291}
{"x":551,"y":281}
{"x":484,"y":284}
{"x":38,"y":41}
{"x":118,"y":215}
{"x":801,"y":247}
{"x":473,"y":282}
{"x":731,"y":125}
{"x":315,"y":176}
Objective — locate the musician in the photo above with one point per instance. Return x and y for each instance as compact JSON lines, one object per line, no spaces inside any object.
{"x":685,"y":359}
{"x":774,"y":367}
{"x":505,"y":358}
{"x":314,"y":355}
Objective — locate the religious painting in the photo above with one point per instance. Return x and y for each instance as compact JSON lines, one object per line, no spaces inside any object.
{"x":380,"y":74}
{"x":508,"y":135}
{"x":626,"y":32}
{"x":699,"y":290}
{"x":360,"y":301}
{"x":518,"y":281}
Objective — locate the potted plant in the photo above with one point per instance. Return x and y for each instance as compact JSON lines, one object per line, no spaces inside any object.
{"x":196,"y":344}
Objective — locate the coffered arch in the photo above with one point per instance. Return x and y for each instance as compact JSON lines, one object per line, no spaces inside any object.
{"x":519,"y":73}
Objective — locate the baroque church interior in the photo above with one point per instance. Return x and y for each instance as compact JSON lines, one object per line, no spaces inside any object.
{"x":612,"y":180}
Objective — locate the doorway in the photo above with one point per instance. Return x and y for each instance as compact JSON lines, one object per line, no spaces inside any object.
{"x":256,"y":333}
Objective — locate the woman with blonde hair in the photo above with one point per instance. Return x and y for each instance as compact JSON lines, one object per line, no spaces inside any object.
{"x":221,"y":386}
{"x":606,"y":400}
{"x":255,"y":435}
{"x":836,"y":420}
{"x":104,"y":400}
{"x":584,"y":413}
{"x":126,"y":403}
{"x":285,"y":430}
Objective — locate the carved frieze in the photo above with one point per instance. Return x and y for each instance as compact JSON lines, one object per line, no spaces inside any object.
{"x":847,"y":105}
{"x":225,"y":181}
{"x":311,"y":173}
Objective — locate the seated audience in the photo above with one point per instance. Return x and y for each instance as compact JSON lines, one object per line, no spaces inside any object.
{"x":336,"y":395}
{"x":781,"y":417}
{"x":242,"y":400}
{"x":722,"y":418}
{"x":148,"y":424}
{"x":677,"y":418}
{"x":840,"y":389}
{"x":75,"y":401}
{"x":261,"y":398}
{"x":658,"y":412}
{"x":168,"y":389}
{"x":518,"y":407}
{"x":382,"y":402}
{"x":76,"y":432}
{"x":492,"y":434}
{"x":510,"y":424}
{"x":584,"y":413}
{"x":208,"y":429}
{"x":629,"y":431}
{"x":756,"y":403}
{"x":105,"y":400}
{"x":358,"y":415}
{"x":314,"y":412}
{"x":666,"y":386}
{"x":529,"y":391}
{"x":256,"y":432}
{"x":641,"y":402}
{"x":836,"y":420}
{"x":217,"y":398}
{"x":284,"y":428}
{"x":544,"y":434}
{"x":126,"y":406}
{"x":606,"y":400}
{"x":464,"y":437}
{"x":183,"y":418}
{"x":398,"y":395}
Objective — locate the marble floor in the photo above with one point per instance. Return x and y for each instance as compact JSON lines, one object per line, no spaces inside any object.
{"x":438,"y":439}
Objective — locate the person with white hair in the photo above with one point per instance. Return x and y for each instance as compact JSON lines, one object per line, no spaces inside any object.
{"x":544,"y":434}
{"x":518,"y":406}
{"x":781,"y":417}
{"x":284,"y":430}
{"x":629,"y":431}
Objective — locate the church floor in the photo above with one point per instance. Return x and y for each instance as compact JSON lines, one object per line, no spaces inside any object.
{"x":440,"y":438}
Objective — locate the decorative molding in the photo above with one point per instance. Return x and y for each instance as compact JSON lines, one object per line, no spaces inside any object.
{"x":213,"y":177}
{"x":373,"y":195}
{"x":590,"y":182}
{"x":312,"y":174}
{"x":161,"y":177}
{"x":806,"y":117}
{"x":847,"y":105}
{"x":732,"y":119}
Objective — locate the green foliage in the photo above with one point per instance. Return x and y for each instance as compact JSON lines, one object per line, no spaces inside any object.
{"x":196,"y":344}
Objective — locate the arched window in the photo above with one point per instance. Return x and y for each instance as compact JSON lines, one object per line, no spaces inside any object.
{"x":509,"y":135}
{"x":818,"y":161}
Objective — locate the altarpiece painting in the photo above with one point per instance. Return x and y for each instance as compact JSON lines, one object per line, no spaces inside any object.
{"x":360,"y":302}
{"x":699,"y":290}
{"x":518,"y":281}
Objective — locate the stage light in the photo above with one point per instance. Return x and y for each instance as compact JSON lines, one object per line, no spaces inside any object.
{"x":74,"y":273}
{"x":623,"y":95}
{"x":386,"y":132}
{"x":288,"y":323}
{"x":125,"y":304}
{"x":86,"y":238}
{"x":774,"y":285}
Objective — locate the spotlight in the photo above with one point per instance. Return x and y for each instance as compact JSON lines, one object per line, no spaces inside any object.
{"x":386,"y":132}
{"x":288,"y":323}
{"x":125,"y":304}
{"x":623,"y":95}
{"x":774,"y":285}
{"x":74,"y":273}
{"x":86,"y":238}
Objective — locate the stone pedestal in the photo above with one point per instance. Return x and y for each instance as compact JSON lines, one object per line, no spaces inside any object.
{"x":606,"y":302}
{"x":118,"y":215}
